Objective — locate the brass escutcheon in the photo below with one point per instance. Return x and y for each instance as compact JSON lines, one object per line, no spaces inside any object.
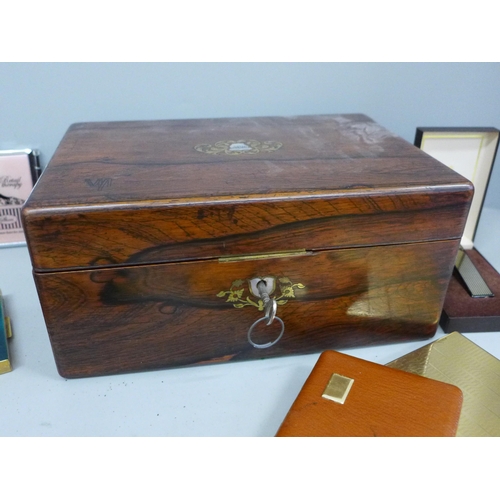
{"x":262,"y":287}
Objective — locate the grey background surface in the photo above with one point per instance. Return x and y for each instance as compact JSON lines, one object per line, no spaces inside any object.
{"x":38,"y":101}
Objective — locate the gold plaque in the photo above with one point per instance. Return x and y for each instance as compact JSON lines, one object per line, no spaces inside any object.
{"x":338,"y":388}
{"x":456,"y":360}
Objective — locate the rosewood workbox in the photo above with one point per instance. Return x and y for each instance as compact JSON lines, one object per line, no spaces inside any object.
{"x":170,"y":243}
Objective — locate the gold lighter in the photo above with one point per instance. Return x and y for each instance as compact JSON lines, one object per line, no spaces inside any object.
{"x":5,"y":333}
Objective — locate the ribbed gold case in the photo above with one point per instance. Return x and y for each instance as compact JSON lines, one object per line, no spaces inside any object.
{"x":457,"y":360}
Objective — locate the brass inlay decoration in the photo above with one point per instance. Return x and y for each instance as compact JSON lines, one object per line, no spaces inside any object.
{"x":338,"y":388}
{"x":239,"y":294}
{"x":257,"y":256}
{"x":239,"y":147}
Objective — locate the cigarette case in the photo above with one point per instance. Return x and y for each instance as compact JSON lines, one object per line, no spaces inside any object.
{"x":349,"y":397}
{"x":181,"y":242}
{"x":456,"y":360}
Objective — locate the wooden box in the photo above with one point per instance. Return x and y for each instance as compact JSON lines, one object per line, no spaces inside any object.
{"x":164,"y":243}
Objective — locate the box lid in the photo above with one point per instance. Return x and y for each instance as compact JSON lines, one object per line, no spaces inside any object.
{"x":157,"y":191}
{"x":470,"y":152}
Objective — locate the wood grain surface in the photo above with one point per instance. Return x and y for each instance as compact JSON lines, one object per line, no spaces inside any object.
{"x":113,"y":190}
{"x":82,"y":239}
{"x":155,"y":316}
{"x":382,"y":402}
{"x":127,"y":223}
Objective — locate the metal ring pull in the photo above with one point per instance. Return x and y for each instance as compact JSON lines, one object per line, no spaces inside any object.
{"x":269,"y":344}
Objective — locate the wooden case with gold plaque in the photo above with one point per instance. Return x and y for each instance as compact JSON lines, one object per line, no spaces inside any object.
{"x":171,"y":243}
{"x":349,"y":397}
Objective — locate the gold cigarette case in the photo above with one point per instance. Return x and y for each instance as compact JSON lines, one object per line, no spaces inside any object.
{"x":457,"y":360}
